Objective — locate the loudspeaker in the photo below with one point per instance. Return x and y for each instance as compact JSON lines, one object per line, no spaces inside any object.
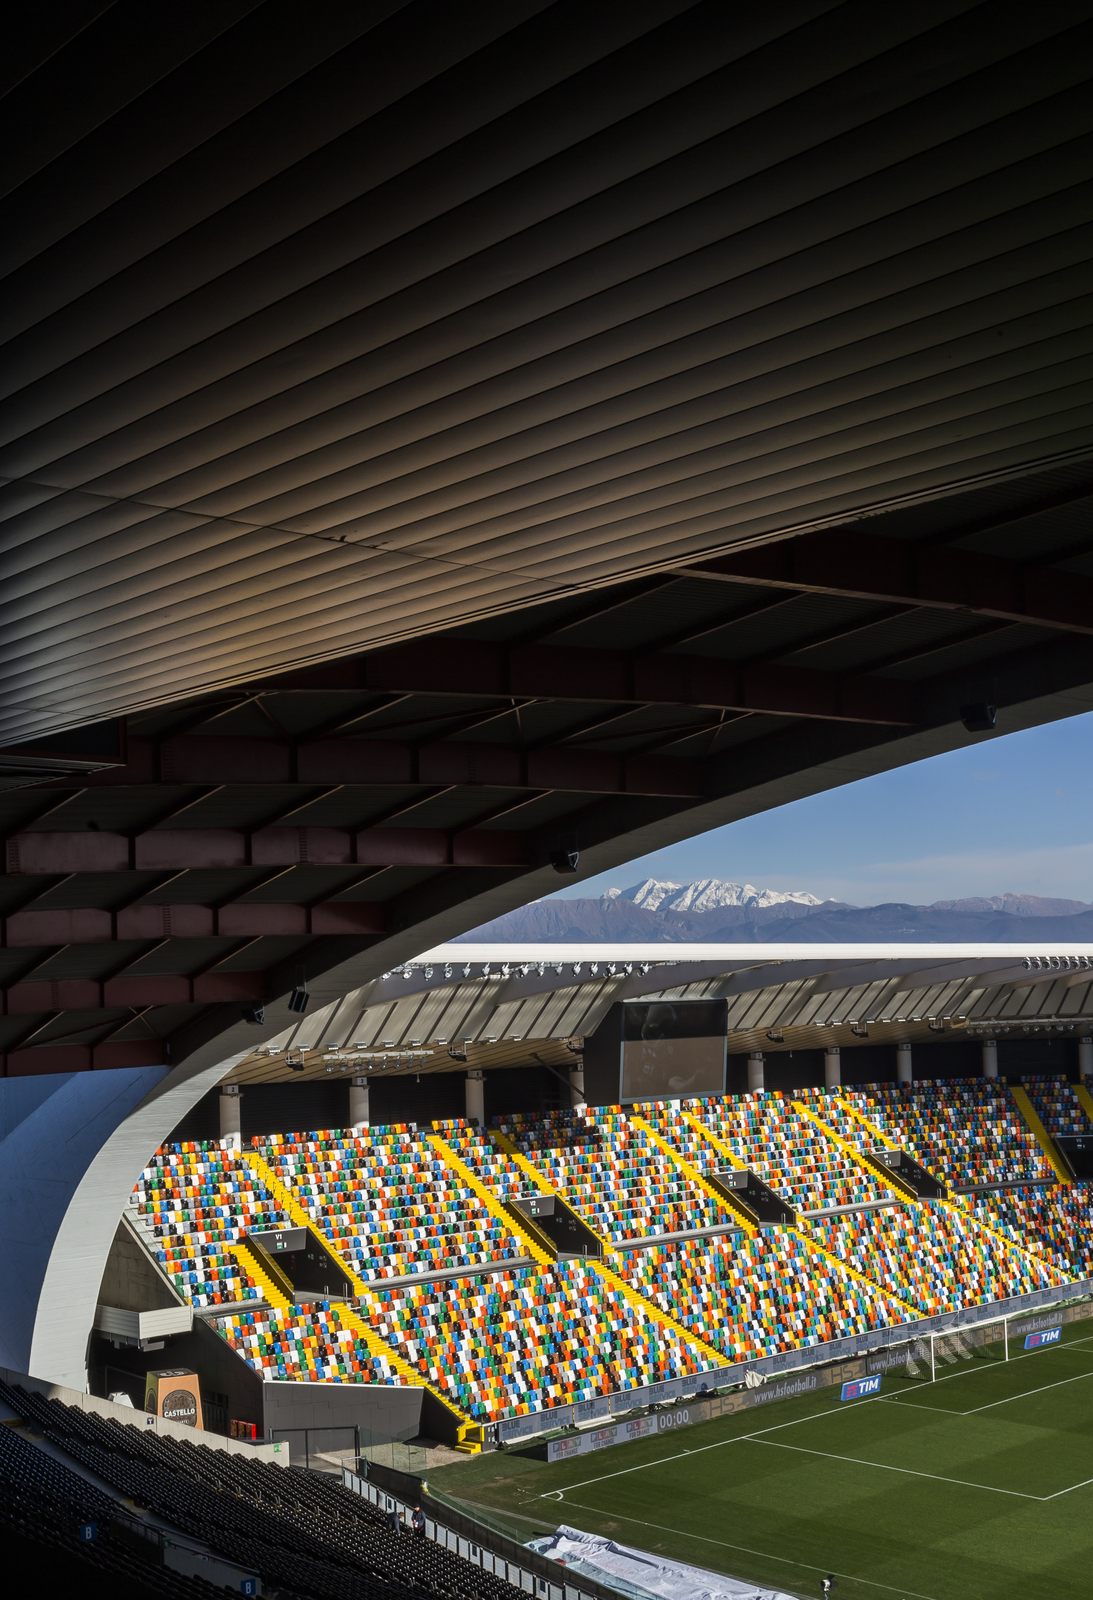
{"x":565,"y":860}
{"x":979,"y":718}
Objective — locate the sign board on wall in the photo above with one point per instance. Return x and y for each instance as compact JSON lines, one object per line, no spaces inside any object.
{"x":175,"y":1395}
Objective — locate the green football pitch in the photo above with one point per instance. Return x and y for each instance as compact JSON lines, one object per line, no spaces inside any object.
{"x":973,"y":1487}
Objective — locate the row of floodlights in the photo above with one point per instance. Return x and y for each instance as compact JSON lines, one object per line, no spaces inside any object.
{"x":1058,"y":963}
{"x":596,"y":969}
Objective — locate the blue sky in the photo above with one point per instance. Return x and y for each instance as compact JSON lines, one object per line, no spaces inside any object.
{"x":1012,"y":813}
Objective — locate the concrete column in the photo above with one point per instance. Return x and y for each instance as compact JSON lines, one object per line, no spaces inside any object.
{"x":990,"y":1058}
{"x":1085,"y":1056}
{"x":576,"y":1088}
{"x":904,"y":1073}
{"x":231,"y":1116}
{"x":475,"y":1090}
{"x":832,"y":1067}
{"x":756,"y":1078}
{"x":358,"y":1105}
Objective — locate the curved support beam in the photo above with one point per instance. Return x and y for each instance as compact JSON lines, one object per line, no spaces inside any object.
{"x":71,"y":1148}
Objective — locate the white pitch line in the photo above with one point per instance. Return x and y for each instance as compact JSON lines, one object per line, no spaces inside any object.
{"x":737,"y":1438}
{"x":883,"y":1466}
{"x":1083,"y":1485}
{"x":748,"y":1550}
{"x":1025,"y":1394}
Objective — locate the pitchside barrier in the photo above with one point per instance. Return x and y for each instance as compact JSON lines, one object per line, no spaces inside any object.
{"x":843,"y":1359}
{"x":525,"y":1569}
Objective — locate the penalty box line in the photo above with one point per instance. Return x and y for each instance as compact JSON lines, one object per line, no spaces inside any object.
{"x":974,"y":1372}
{"x":737,"y":1438}
{"x":740,"y":1438}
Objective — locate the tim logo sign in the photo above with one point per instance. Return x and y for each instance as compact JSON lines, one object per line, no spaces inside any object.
{"x":1033,"y":1341}
{"x":861,"y":1388}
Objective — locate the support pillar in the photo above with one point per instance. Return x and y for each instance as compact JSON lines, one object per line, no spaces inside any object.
{"x":475,"y":1091}
{"x":358,"y":1105}
{"x":756,"y":1078}
{"x":832,"y":1067}
{"x":576,"y":1088}
{"x":904,"y":1072}
{"x":231,"y":1117}
{"x":990,"y":1058}
{"x":1085,"y":1057}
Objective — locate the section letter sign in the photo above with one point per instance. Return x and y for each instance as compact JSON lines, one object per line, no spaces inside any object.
{"x":861,"y":1388}
{"x":1033,"y":1341}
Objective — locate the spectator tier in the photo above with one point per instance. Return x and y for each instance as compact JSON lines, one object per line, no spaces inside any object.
{"x":757,"y":1296}
{"x":1056,"y":1103}
{"x":932,"y":1255}
{"x":767,"y":1132}
{"x":315,"y":1344}
{"x":510,"y":1343}
{"x":1056,"y":1220}
{"x":388,"y":1203}
{"x":967,"y":1131}
{"x":193,"y":1201}
{"x":614,"y":1175}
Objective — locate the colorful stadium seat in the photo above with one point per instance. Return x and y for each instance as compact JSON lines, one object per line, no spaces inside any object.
{"x":967,"y":1131}
{"x":613,"y":1175}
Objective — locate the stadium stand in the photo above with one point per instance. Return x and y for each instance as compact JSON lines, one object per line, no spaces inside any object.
{"x":302,"y":1532}
{"x":43,"y":1506}
{"x":614,"y":1175}
{"x":452,"y":1296}
{"x":312,"y":1343}
{"x":756,"y":1296}
{"x":492,"y":1166}
{"x":967,"y":1131}
{"x":766,"y":1132}
{"x":1057,"y":1105}
{"x":387,"y":1202}
{"x":193,"y":1202}
{"x":1055,"y":1219}
{"x":933,"y":1255}
{"x":506,"y":1344}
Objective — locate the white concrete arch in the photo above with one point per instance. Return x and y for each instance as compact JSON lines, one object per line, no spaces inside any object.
{"x":71,"y":1148}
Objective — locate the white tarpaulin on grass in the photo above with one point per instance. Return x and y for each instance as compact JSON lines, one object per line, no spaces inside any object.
{"x":636,"y":1572}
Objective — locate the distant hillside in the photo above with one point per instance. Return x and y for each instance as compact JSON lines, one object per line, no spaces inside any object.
{"x":660,"y":913}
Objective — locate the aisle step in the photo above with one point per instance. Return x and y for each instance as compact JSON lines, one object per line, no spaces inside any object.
{"x":1040,"y":1133}
{"x":649,"y":1308}
{"x":275,"y":1287}
{"x":544,"y":1186}
{"x":860,"y":1158}
{"x":736,"y":1213}
{"x":493,"y":1205}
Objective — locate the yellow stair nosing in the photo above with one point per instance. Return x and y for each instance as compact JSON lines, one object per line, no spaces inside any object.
{"x":375,"y":1342}
{"x":691,"y":1173}
{"x":728,"y":1155}
{"x":858,"y":1157}
{"x":503,"y":1141}
{"x":859,"y":1277}
{"x":1036,"y":1127}
{"x":492,"y":1204}
{"x":244,"y":1254}
{"x":1085,"y":1099}
{"x":955,"y":1204}
{"x":888,"y":1144}
{"x":642,"y":1303}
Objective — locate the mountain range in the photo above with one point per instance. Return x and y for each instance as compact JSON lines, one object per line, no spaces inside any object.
{"x":713,"y":910}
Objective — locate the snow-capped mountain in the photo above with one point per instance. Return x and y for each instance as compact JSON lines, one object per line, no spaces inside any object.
{"x":707,"y":894}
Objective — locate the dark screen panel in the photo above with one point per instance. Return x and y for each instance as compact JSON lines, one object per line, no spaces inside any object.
{"x":672,"y":1049}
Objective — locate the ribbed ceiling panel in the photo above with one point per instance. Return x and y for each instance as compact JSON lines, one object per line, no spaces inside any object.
{"x":323,"y":331}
